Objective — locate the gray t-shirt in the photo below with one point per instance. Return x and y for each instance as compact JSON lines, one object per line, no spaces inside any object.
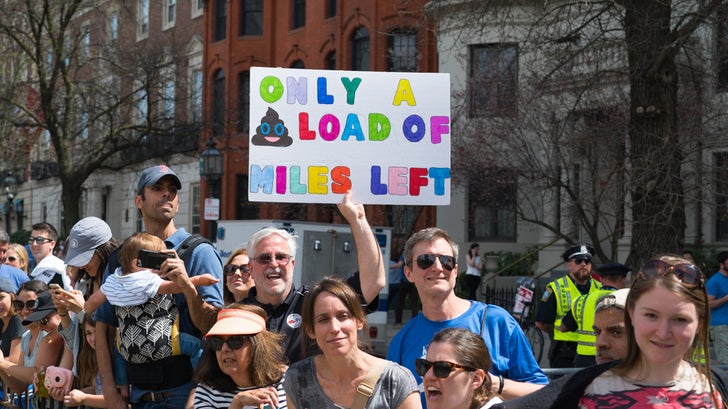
{"x":304,"y":391}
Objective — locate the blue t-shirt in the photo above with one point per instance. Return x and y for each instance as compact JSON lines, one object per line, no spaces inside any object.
{"x":509,"y":349}
{"x":204,"y":259}
{"x":717,"y":286}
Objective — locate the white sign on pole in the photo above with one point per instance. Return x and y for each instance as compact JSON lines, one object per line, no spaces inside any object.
{"x":314,"y":134}
{"x":212,"y":209}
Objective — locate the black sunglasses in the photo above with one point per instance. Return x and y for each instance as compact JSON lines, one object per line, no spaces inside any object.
{"x":43,"y":321}
{"x":281,"y":258}
{"x":230,"y":269}
{"x":30,"y":304}
{"x":441,"y":369}
{"x":581,"y":260}
{"x":234,"y":342}
{"x":39,"y":240}
{"x":11,"y":259}
{"x":687,"y":273}
{"x":425,"y":261}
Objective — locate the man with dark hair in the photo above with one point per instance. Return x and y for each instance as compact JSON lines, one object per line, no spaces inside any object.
{"x":557,"y":299}
{"x":717,"y":289}
{"x":50,"y":269}
{"x":168,"y":382}
{"x":10,"y":277}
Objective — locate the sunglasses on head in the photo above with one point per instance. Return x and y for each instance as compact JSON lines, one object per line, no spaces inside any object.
{"x":581,"y":260}
{"x":687,"y":273}
{"x":281,"y":258}
{"x":441,"y":369}
{"x":233,"y":342}
{"x":39,"y":240}
{"x":425,"y":261}
{"x":30,"y":304}
{"x":230,"y":269}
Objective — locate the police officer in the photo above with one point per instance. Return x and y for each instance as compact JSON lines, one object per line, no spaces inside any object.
{"x":581,"y":316}
{"x":557,"y":300}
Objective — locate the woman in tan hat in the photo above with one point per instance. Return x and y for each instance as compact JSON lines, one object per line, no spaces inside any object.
{"x":332,"y":316}
{"x":241,"y":365}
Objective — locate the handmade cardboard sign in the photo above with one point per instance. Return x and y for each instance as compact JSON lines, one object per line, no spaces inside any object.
{"x":314,"y":134}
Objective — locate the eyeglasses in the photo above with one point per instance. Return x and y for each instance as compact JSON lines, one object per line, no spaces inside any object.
{"x":687,"y":273}
{"x":39,"y":240}
{"x":43,"y":321}
{"x":233,"y":342}
{"x":441,"y":369}
{"x":281,"y":258}
{"x":425,"y":261}
{"x":580,"y":261}
{"x":30,"y":304}
{"x":230,"y":269}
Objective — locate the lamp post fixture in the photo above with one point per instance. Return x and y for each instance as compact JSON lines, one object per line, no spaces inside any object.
{"x":10,"y":189}
{"x":211,"y":169}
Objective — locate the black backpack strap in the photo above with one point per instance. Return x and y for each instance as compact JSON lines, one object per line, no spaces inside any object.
{"x":185,"y":249}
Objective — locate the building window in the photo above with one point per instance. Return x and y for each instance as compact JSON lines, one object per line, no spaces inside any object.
{"x":243,"y":101}
{"x":492,"y":207}
{"x":195,"y":210}
{"x":245,"y":209}
{"x":493,"y":80}
{"x":196,"y":91}
{"x":218,"y":104}
{"x":330,"y":8}
{"x":298,"y":13}
{"x":142,"y":19}
{"x":330,"y":62}
{"x":723,"y":48}
{"x":114,"y":29}
{"x":360,"y":49}
{"x":721,"y":196}
{"x":298,"y":64}
{"x":168,"y":97}
{"x":86,"y":41}
{"x":142,"y":103}
{"x":402,"y":52}
{"x":197,"y":8}
{"x":251,"y":19}
{"x":170,"y":13}
{"x":84,"y":125}
{"x":220,"y":20}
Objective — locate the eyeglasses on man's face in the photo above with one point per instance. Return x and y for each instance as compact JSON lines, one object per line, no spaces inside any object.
{"x":39,"y":240}
{"x":280,"y":258}
{"x":425,"y":261}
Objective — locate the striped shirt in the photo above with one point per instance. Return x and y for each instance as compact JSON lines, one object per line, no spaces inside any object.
{"x":207,"y":397}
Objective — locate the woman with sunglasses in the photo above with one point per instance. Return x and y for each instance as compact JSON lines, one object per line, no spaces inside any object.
{"x":455,"y":371}
{"x":666,"y":320}
{"x":42,"y":345}
{"x":12,"y":329}
{"x":17,"y":256}
{"x":241,"y":366}
{"x":332,"y":316}
{"x":238,"y":281}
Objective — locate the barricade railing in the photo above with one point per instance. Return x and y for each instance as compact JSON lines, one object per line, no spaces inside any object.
{"x":26,"y":400}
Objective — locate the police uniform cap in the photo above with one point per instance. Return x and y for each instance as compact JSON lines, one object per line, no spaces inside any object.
{"x":580,"y":250}
{"x":613,"y":269}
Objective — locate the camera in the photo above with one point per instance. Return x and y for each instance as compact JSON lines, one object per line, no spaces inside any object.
{"x":152,"y":259}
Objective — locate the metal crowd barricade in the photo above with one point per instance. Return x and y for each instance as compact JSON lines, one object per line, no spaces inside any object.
{"x":25,"y":400}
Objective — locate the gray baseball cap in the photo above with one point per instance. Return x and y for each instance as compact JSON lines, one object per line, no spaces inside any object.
{"x":152,"y":175}
{"x":86,"y":235}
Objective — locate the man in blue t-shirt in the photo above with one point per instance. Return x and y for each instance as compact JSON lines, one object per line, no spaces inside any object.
{"x":169,"y":384}
{"x":717,"y":289}
{"x":430,"y":263}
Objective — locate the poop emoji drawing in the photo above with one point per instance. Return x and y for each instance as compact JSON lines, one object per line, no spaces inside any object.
{"x":271,"y":131}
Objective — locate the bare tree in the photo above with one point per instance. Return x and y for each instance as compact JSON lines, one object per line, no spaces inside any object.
{"x":84,"y":84}
{"x":594,"y":141}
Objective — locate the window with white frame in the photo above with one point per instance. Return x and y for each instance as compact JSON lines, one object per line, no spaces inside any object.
{"x":142,"y":102}
{"x":492,"y":206}
{"x":170,"y":13}
{"x":196,"y":95}
{"x":114,"y":28}
{"x":86,"y":40}
{"x":197,"y":7}
{"x":493,"y":80}
{"x":168,"y":101}
{"x":402,"y":51}
{"x":142,"y":19}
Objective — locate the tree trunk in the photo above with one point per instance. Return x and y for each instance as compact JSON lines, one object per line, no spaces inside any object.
{"x":658,"y":210}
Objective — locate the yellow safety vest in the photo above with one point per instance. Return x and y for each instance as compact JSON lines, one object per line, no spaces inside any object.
{"x":566,"y":292}
{"x":583,"y":310}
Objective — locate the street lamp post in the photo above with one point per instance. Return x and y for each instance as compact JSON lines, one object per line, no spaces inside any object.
{"x":10,"y":188}
{"x":211,"y":169}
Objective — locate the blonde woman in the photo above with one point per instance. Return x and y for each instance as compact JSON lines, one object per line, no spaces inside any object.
{"x":17,"y":256}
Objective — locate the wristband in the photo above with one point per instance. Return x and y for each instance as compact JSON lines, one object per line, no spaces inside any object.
{"x":501,"y":383}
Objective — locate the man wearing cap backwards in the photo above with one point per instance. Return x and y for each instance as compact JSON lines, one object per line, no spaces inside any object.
{"x":271,"y":253}
{"x":581,"y":316}
{"x":557,"y":300}
{"x":10,"y":277}
{"x":158,"y":202}
{"x":608,"y":327}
